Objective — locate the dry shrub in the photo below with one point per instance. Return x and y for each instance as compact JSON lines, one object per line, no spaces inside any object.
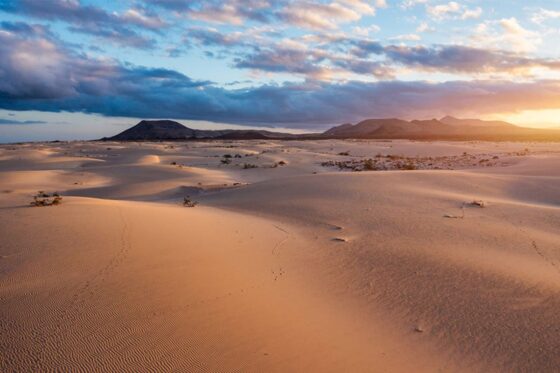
{"x":42,"y":199}
{"x":187,"y":202}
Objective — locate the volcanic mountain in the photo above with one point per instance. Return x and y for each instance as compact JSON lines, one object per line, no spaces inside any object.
{"x":160,"y":130}
{"x":155,"y":130}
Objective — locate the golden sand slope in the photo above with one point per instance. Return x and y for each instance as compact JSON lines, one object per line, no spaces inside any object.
{"x":287,"y":268}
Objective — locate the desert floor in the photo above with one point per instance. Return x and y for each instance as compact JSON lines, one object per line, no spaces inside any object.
{"x":296,"y":257}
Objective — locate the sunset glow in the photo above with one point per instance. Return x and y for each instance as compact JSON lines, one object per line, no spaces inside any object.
{"x":302,"y":65}
{"x":534,"y":118}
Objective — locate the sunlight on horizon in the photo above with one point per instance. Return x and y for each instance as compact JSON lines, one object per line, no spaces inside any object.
{"x":533,"y":118}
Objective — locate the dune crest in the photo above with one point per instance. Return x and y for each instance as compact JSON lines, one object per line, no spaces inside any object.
{"x":292,"y":266}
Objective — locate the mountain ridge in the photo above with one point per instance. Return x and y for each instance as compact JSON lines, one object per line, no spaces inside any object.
{"x":446,"y":128}
{"x":160,"y":130}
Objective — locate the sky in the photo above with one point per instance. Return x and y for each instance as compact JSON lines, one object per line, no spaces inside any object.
{"x":82,"y":69}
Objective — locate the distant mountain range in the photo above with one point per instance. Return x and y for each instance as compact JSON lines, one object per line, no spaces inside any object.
{"x":447,"y":128}
{"x":444,"y":128}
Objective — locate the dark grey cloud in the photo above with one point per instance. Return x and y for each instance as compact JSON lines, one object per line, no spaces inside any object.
{"x":120,"y":35}
{"x":25,"y":30}
{"x":224,"y":11}
{"x":176,"y":5}
{"x":212,"y":38}
{"x":119,"y":28}
{"x":19,"y":122}
{"x":455,"y":58}
{"x":64,"y":80}
{"x":62,"y":72}
{"x":290,"y":60}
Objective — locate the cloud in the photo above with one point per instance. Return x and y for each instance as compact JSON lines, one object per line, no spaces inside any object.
{"x":212,"y":37}
{"x":11,"y":122}
{"x":543,"y":15}
{"x":122,"y":36}
{"x":64,"y":80}
{"x":309,"y":104}
{"x":309,"y":14}
{"x":284,"y":59}
{"x":232,"y":11}
{"x":322,"y":56}
{"x":23,"y":74}
{"x":453,"y":10}
{"x":347,"y":56}
{"x":424,"y":27}
{"x":407,"y":37}
{"x":507,"y":33}
{"x":381,"y":4}
{"x":143,"y":18}
{"x":463,"y":59}
{"x":364,"y":31}
{"x":175,"y":5}
{"x":316,"y":15}
{"x":407,"y":4}
{"x":92,"y":20}
{"x":62,"y":72}
{"x":444,"y":10}
{"x":472,"y":13}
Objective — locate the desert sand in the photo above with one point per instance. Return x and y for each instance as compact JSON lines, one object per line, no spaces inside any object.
{"x":295,"y":258}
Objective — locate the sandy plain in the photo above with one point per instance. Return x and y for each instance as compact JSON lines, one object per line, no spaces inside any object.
{"x":299,"y":256}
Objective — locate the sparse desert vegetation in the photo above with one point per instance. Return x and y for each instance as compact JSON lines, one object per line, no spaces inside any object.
{"x":42,"y":199}
{"x":188,"y":202}
{"x":391,"y":162}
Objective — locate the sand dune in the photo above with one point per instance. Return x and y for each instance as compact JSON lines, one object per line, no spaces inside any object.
{"x":148,"y":159}
{"x":295,"y":267}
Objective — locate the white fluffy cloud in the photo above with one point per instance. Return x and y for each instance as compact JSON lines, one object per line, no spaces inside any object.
{"x":543,"y":15}
{"x":406,"y":4}
{"x":453,"y":10}
{"x":365,"y":31}
{"x":508,"y":34}
{"x":316,"y":15}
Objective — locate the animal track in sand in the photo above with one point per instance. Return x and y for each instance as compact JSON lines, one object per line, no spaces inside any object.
{"x":536,"y":248}
{"x":544,"y":256}
{"x":281,"y":242}
{"x":277,"y":274}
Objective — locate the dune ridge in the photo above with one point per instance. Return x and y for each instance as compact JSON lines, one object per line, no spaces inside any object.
{"x":279,"y":267}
